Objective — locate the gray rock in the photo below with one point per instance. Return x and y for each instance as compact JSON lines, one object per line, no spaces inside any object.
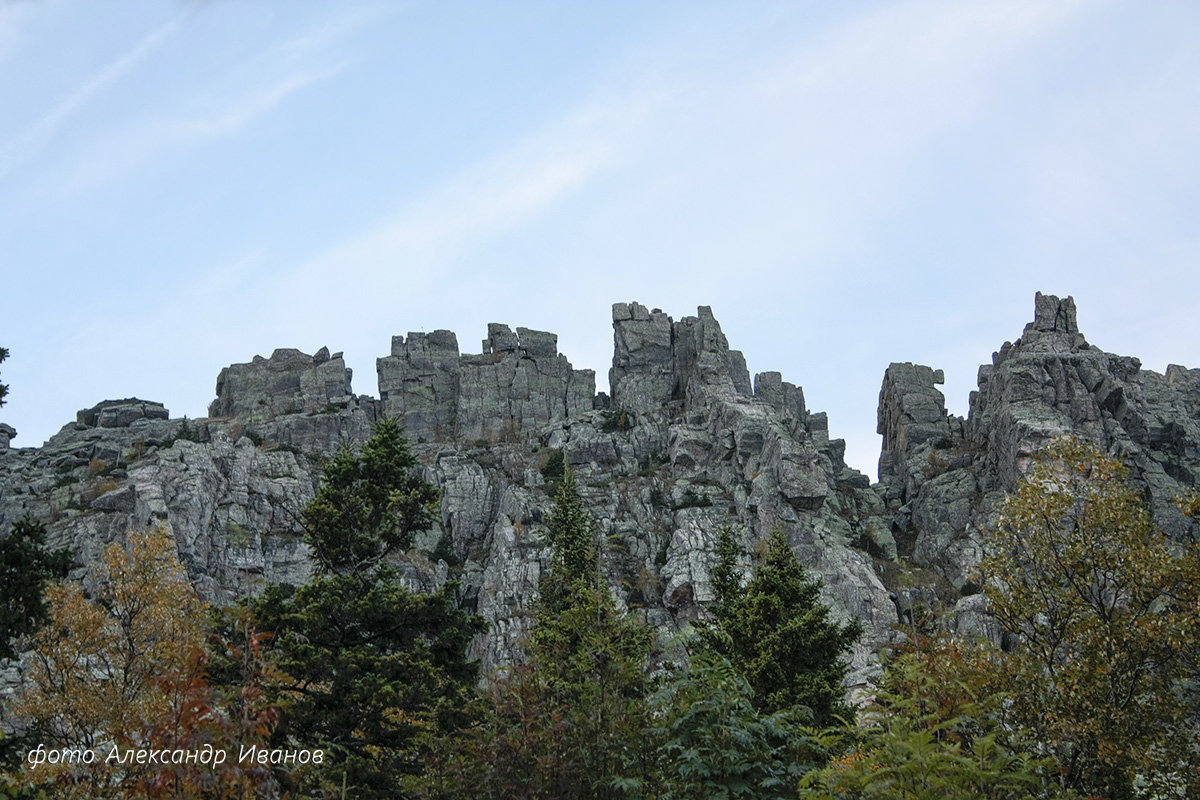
{"x":684,"y":445}
{"x":120,"y":413}
{"x":289,"y":382}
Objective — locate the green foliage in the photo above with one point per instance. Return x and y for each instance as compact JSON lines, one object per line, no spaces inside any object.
{"x":444,"y":551}
{"x":616,"y":420}
{"x":592,"y":661}
{"x":552,"y":471}
{"x":931,"y":735}
{"x":725,"y":580}
{"x":3,"y":386}
{"x":186,"y":432}
{"x":571,"y":723}
{"x":573,"y":539}
{"x":371,"y":669}
{"x":778,"y":634}
{"x":691,"y":499}
{"x":589,"y":657}
{"x":370,"y":502}
{"x":1106,"y":614}
{"x":715,"y":744}
{"x":25,"y":567}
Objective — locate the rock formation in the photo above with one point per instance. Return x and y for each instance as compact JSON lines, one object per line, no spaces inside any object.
{"x":518,"y":385}
{"x":686,"y":443}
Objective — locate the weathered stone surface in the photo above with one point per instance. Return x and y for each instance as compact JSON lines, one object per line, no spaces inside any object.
{"x":517,"y":386}
{"x":787,"y":399}
{"x":643,"y":376}
{"x":7,"y":432}
{"x":685,"y":445}
{"x":120,"y":413}
{"x":289,"y":382}
{"x":943,"y":478}
{"x":418,"y":383}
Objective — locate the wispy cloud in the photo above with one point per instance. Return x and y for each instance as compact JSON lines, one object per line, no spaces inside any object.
{"x":40,"y":133}
{"x":220,"y":107}
{"x":118,"y":155}
{"x":422,"y":240}
{"x":686,"y":163}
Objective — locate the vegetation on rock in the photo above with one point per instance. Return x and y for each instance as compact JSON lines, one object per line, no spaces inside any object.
{"x":369,"y":668}
{"x":778,"y":634}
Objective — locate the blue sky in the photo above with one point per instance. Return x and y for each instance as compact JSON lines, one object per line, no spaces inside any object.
{"x":187,"y":185}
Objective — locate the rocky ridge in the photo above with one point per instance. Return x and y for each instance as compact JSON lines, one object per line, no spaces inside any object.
{"x":687,"y":442}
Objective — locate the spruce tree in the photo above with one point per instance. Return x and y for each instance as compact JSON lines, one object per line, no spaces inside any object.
{"x":589,"y":655}
{"x":778,"y":634}
{"x":373,"y":668}
{"x":3,"y":386}
{"x":25,"y":568}
{"x":570,"y":723}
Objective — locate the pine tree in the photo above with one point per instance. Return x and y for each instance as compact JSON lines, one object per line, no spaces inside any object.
{"x":778,"y":634}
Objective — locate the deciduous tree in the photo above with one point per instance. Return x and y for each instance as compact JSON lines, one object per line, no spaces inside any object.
{"x":1105,"y":611}
{"x":123,"y":668}
{"x":713,"y":744}
{"x":933,"y":732}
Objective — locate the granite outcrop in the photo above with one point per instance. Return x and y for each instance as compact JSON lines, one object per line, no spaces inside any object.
{"x":687,"y":442}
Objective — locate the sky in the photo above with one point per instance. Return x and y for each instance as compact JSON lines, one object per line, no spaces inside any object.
{"x":185,"y":185}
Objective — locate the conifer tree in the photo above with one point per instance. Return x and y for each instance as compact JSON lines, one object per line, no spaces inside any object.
{"x":373,"y":668}
{"x":590,"y":656}
{"x":778,"y":634}
{"x":571,"y":722}
{"x":3,"y":386}
{"x":25,"y":567}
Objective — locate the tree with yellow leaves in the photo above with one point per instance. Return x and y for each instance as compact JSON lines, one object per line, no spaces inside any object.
{"x":123,"y":669}
{"x":1105,"y":611}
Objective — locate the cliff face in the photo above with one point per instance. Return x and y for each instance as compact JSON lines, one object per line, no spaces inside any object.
{"x":686,"y":443}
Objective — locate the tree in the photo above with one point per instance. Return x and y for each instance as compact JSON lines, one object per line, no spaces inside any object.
{"x":778,"y":634}
{"x":370,"y":503}
{"x":930,"y":733}
{"x":3,"y":386}
{"x":715,"y":745}
{"x":1105,"y":611}
{"x":573,"y":566}
{"x":124,"y":668}
{"x":25,"y":567}
{"x":371,"y":668}
{"x":572,"y":722}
